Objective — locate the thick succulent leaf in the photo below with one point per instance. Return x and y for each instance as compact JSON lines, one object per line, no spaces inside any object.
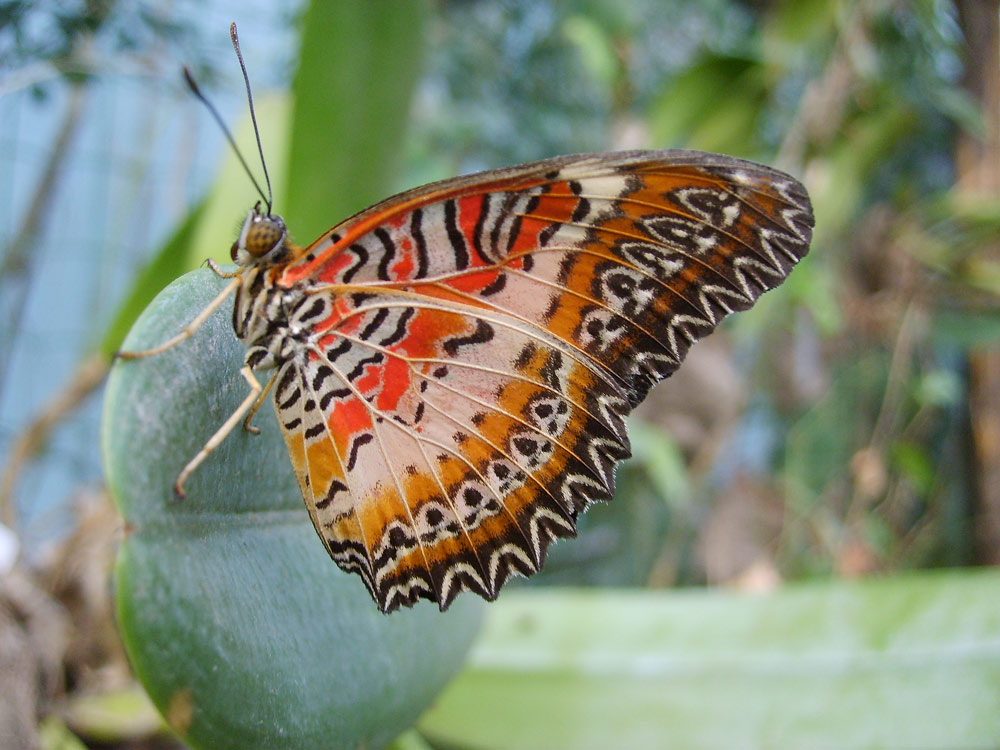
{"x":243,"y":631}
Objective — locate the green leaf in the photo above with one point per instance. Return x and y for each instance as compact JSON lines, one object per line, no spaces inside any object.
{"x":662,"y":458}
{"x":913,"y":460}
{"x":713,"y":105}
{"x":116,"y":716}
{"x":907,"y":662}
{"x":794,"y":30}
{"x":850,"y":163}
{"x":596,"y":48}
{"x":240,"y":627}
{"x":53,"y":734}
{"x":357,"y":70}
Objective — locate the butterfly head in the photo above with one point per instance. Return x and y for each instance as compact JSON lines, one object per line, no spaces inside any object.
{"x":263,"y":240}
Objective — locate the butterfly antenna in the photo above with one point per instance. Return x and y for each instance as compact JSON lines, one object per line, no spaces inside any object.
{"x":189,"y":79}
{"x":253,"y":116}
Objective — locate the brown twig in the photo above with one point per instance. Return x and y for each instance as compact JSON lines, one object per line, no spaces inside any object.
{"x":88,"y":376}
{"x":22,"y":251}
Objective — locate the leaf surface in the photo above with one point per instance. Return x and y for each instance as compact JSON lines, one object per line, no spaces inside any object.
{"x":243,"y":631}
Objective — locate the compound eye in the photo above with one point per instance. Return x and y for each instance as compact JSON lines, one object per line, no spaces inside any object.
{"x":234,"y":250}
{"x":263,"y":236}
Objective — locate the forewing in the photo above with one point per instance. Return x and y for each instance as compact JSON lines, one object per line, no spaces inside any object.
{"x":474,"y":346}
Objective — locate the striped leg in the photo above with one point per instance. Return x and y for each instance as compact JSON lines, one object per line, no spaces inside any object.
{"x":189,"y":329}
{"x":220,"y":434}
{"x":257,"y":404}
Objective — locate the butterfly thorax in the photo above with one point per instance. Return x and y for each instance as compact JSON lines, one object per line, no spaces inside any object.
{"x":263,"y":316}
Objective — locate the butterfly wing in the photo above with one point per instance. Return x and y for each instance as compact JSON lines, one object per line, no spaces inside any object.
{"x":471,"y":348}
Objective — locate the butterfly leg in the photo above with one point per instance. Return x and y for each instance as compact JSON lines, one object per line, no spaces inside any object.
{"x":223,"y":431}
{"x":189,"y":329}
{"x":219,"y":272}
{"x":257,"y":404}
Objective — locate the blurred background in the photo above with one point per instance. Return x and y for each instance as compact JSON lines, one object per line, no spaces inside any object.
{"x":847,"y":427}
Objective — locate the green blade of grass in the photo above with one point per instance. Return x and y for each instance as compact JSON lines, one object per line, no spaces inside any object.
{"x":359,"y":65}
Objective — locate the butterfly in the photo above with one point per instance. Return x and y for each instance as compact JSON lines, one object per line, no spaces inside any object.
{"x":451,"y":368}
